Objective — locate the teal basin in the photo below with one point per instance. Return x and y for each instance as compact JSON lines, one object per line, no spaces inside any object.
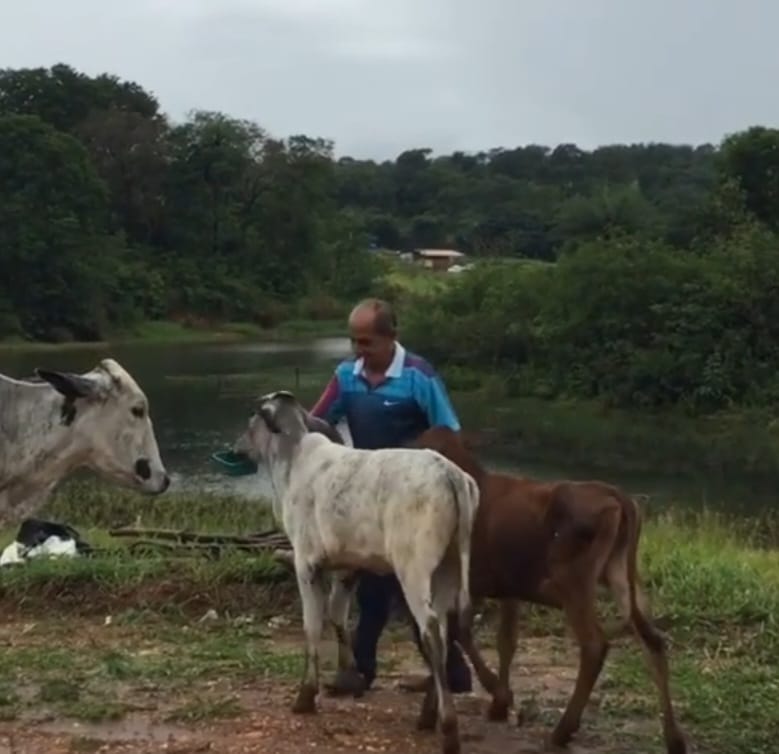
{"x":234,"y":464}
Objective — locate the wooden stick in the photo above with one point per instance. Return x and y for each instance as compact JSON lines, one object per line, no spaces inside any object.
{"x":262,"y":538}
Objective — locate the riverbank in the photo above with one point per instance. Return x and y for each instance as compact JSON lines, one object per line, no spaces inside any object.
{"x":194,"y":637}
{"x":586,"y":435}
{"x":170,"y":332}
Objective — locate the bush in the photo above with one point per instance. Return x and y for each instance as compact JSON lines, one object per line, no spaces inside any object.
{"x":630,"y":321}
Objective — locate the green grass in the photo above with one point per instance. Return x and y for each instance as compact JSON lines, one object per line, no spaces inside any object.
{"x":101,"y":675}
{"x":84,"y":502}
{"x":166,"y":331}
{"x":717,"y":584}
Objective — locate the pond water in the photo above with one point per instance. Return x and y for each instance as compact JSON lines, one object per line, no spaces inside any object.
{"x":200,"y":397}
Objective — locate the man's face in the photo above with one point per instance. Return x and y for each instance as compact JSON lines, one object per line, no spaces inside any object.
{"x":376,"y":350}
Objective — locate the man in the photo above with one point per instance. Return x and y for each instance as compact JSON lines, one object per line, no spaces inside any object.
{"x":388,"y":397}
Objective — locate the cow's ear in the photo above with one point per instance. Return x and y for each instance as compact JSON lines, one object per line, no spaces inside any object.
{"x":268,"y":415}
{"x":70,"y":385}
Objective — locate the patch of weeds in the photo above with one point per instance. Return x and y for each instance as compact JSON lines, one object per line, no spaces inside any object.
{"x":8,"y":697}
{"x":120,"y":665}
{"x":285,"y":664}
{"x":709,"y":697}
{"x":94,"y":710}
{"x":199,"y":709}
{"x":57,"y":690}
{"x":35,"y":659}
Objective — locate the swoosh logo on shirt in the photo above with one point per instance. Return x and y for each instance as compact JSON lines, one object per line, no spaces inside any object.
{"x":391,"y":403}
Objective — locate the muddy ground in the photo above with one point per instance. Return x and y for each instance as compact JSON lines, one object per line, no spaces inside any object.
{"x":232,"y":712}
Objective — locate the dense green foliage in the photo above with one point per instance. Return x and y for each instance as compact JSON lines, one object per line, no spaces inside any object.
{"x":644,"y":274}
{"x":634,"y":321}
{"x":110,"y":213}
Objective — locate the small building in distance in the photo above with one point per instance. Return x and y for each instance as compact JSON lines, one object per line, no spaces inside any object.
{"x":438,"y":259}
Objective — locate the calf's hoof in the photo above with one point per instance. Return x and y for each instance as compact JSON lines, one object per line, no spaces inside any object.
{"x":428,"y":714}
{"x":451,"y":737}
{"x":428,"y":717}
{"x":498,"y":711}
{"x":677,"y":744}
{"x":305,"y":703}
{"x":559,"y":738}
{"x":347,"y":683}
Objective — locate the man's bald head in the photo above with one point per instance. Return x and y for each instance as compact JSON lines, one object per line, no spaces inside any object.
{"x":373,"y":329}
{"x":375,"y":314}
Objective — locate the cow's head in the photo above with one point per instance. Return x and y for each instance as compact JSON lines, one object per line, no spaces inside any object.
{"x":278,"y":417}
{"x":109,"y":414}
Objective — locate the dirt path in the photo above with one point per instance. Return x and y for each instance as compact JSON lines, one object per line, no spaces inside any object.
{"x":383,"y":721}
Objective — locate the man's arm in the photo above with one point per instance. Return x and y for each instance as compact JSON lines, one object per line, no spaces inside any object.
{"x":330,"y":404}
{"x":432,"y":397}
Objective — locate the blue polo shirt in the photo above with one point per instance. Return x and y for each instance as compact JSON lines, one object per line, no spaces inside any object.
{"x":411,"y":399}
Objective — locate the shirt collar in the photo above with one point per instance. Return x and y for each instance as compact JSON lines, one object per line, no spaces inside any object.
{"x":395,"y":369}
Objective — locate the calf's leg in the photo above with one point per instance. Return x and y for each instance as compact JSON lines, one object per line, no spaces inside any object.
{"x":633,"y":607}
{"x":312,"y":595}
{"x":653,"y":645}
{"x":499,"y":687}
{"x":487,"y":678}
{"x":432,"y":627}
{"x":580,"y":610}
{"x":508,"y":630}
{"x":458,"y":674}
{"x":348,"y":680}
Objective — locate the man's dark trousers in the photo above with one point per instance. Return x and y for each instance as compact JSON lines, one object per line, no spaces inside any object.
{"x":375,"y":594}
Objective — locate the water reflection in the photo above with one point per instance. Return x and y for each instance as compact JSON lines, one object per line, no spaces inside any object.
{"x":200,"y":396}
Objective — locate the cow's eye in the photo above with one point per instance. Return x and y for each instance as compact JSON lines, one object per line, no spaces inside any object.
{"x":138,"y":411}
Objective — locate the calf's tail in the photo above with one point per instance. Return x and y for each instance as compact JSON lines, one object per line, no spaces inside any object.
{"x":466,"y":495}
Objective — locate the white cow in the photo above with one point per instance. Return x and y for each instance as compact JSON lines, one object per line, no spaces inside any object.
{"x":392,"y":510}
{"x":50,"y":428}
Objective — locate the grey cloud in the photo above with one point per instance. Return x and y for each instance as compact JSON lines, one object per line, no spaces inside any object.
{"x":448,"y":74}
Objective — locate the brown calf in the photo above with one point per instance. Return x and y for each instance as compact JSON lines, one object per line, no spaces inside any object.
{"x":553,"y":544}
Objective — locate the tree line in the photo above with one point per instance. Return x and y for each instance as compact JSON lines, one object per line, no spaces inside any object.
{"x":643,"y":273}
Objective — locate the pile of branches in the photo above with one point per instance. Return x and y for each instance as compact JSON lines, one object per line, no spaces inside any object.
{"x":211,"y":545}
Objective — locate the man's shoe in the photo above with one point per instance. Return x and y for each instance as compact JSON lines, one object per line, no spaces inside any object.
{"x":461,"y":686}
{"x":415,"y":684}
{"x":418,"y":684}
{"x":347,"y":683}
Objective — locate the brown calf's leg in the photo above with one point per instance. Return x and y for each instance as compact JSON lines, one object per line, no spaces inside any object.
{"x":487,"y":678}
{"x":508,"y":630}
{"x":653,"y":645}
{"x":636,"y":611}
{"x":580,"y":610}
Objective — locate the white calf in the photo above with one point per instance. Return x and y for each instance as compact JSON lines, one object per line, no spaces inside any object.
{"x":50,"y":428}
{"x":394,"y":510}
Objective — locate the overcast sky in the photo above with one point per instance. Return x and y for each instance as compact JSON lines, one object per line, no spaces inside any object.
{"x":380,"y":76}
